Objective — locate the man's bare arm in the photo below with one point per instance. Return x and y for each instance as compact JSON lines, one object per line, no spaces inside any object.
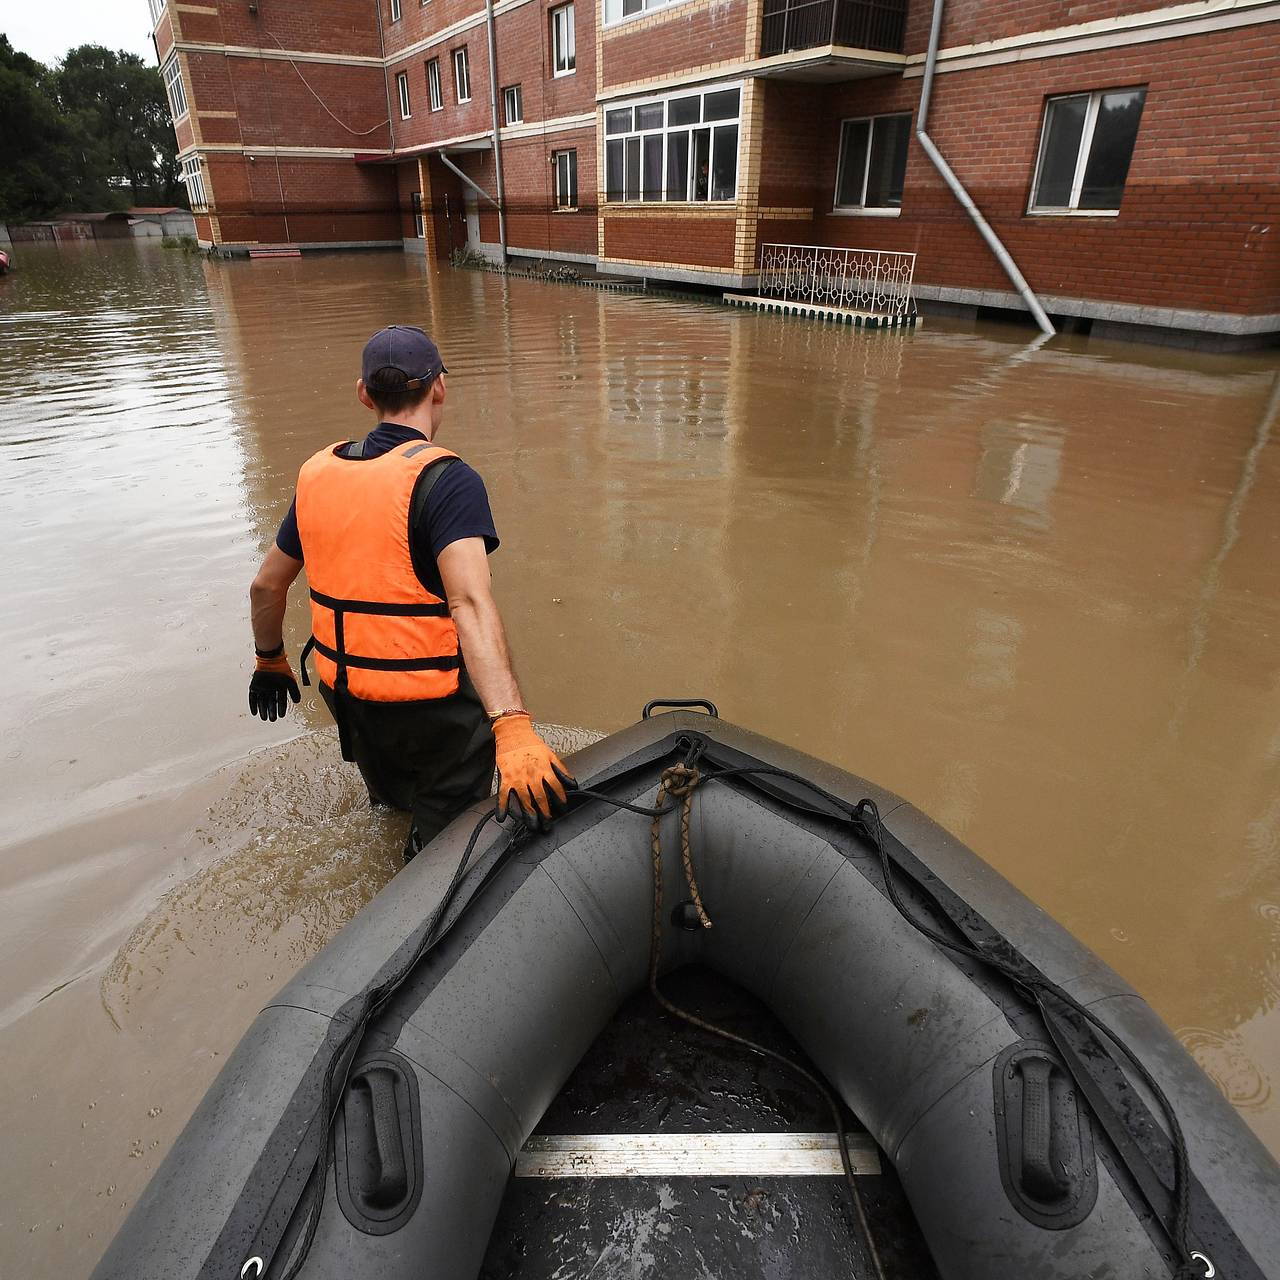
{"x":268,"y":596}
{"x":464,"y":570}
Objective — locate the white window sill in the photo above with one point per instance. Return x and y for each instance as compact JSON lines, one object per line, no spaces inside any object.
{"x":509,"y":123}
{"x":846,"y":212}
{"x":564,"y":75}
{"x":439,"y":108}
{"x":566,"y":208}
{"x":462,"y":102}
{"x":629,"y":18}
{"x":1073,"y":213}
{"x":408,"y":117}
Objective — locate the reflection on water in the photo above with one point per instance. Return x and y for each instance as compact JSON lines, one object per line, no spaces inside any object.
{"x":1034,"y":587}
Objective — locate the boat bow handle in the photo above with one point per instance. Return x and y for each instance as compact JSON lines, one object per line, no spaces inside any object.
{"x":1041,"y":1177}
{"x":392,"y":1183}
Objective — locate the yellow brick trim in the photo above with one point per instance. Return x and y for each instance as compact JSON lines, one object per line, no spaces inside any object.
{"x":755,"y":20}
{"x":196,"y":8}
{"x":218,"y":115}
{"x":750,"y":150}
{"x":675,"y":266}
{"x":669,"y":209}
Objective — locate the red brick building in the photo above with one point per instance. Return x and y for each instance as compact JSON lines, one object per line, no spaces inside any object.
{"x":1126,"y":153}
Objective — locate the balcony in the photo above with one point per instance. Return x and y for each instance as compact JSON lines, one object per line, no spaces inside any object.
{"x":835,"y":28}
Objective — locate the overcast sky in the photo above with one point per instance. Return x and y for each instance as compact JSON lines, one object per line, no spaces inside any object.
{"x":47,"y":30}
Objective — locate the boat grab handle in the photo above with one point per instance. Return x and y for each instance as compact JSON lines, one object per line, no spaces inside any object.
{"x":1039,"y":1176}
{"x":705,"y":703}
{"x":393,"y":1174}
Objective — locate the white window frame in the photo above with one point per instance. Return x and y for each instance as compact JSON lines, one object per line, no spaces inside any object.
{"x":396,"y":12}
{"x":1072,"y":209}
{"x":157,"y":9}
{"x":564,"y":46}
{"x":419,"y":217}
{"x":702,"y":91}
{"x":875,"y":211}
{"x":461,"y":74}
{"x":402,"y":93}
{"x":193,"y":179}
{"x":435,"y":90}
{"x":512,"y":94}
{"x":174,"y":89}
{"x":612,"y":10}
{"x":570,"y":157}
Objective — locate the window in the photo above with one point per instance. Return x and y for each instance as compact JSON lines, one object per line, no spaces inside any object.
{"x":461,"y":75}
{"x":563,"y":50}
{"x":1085,"y":150}
{"x":566,"y":178}
{"x":435,"y":96}
{"x":419,"y":227}
{"x":873,"y":162}
{"x":395,"y":10}
{"x":402,"y":89}
{"x":157,"y":8}
{"x":173,"y":87}
{"x":194,"y":180}
{"x":617,"y":10}
{"x":512,"y":104}
{"x":682,"y":147}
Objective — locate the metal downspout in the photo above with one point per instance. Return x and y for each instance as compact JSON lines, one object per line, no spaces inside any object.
{"x":443,"y":157}
{"x":497,"y":148}
{"x":957,"y":187}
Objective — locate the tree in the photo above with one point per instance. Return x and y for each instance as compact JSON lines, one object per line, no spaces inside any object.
{"x":121,"y":104}
{"x":35,"y":170}
{"x":91,"y":134}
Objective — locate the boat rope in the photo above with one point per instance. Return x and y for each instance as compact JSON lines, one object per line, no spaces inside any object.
{"x":679,"y":782}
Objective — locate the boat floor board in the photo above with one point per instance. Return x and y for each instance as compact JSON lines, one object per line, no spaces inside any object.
{"x":661,"y":1113}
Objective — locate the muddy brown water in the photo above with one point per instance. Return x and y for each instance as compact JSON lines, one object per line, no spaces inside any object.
{"x":1034,"y":589}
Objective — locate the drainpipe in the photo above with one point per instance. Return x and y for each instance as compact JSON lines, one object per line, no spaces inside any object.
{"x":957,"y":187}
{"x":471,"y":182}
{"x":497,"y":148}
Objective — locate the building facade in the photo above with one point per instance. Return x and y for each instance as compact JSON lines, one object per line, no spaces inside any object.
{"x":1126,"y":153}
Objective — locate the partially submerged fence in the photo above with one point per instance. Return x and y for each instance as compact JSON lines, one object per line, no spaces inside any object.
{"x":868,"y":280}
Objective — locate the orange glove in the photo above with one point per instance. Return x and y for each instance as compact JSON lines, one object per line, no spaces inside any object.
{"x":532,"y":781}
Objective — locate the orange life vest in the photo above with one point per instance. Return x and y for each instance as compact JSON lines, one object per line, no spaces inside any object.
{"x":377,"y":631}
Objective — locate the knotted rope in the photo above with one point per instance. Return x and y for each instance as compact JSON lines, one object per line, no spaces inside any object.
{"x":679,"y":782}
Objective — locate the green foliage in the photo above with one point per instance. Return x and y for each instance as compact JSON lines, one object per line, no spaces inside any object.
{"x":188,"y":244}
{"x":469,"y":259}
{"x":90,"y":134}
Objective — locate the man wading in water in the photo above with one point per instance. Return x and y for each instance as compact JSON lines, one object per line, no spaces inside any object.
{"x":409,"y":645}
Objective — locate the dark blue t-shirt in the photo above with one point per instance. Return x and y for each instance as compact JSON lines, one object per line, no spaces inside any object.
{"x":457,"y":506}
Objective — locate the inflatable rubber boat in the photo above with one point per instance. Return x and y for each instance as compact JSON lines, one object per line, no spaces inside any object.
{"x":1040,"y":1118}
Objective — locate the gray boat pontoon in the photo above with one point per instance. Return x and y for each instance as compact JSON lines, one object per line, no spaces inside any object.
{"x":941,"y":1080}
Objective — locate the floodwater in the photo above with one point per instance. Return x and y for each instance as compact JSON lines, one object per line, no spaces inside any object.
{"x":1035,"y":589}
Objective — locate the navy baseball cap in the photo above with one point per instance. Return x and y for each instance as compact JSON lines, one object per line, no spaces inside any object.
{"x":403,"y":347}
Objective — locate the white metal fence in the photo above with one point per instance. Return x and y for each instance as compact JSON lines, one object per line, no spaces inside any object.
{"x":857,"y":279}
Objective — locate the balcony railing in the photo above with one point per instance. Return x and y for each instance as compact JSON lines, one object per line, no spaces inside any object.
{"x":810,"y":24}
{"x":869,"y":280}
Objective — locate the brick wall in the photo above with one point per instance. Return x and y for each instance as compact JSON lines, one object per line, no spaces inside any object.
{"x":324,"y":199}
{"x":698,"y":33}
{"x":704,"y":240}
{"x":316,"y":26}
{"x":976,"y":21}
{"x":1202,"y":186}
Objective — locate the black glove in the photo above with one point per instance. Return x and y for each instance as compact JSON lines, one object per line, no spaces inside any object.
{"x":271,"y":681}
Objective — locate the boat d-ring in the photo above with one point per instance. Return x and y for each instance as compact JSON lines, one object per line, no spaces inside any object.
{"x":708,"y":706}
{"x":257,"y":1265}
{"x":1209,"y":1269}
